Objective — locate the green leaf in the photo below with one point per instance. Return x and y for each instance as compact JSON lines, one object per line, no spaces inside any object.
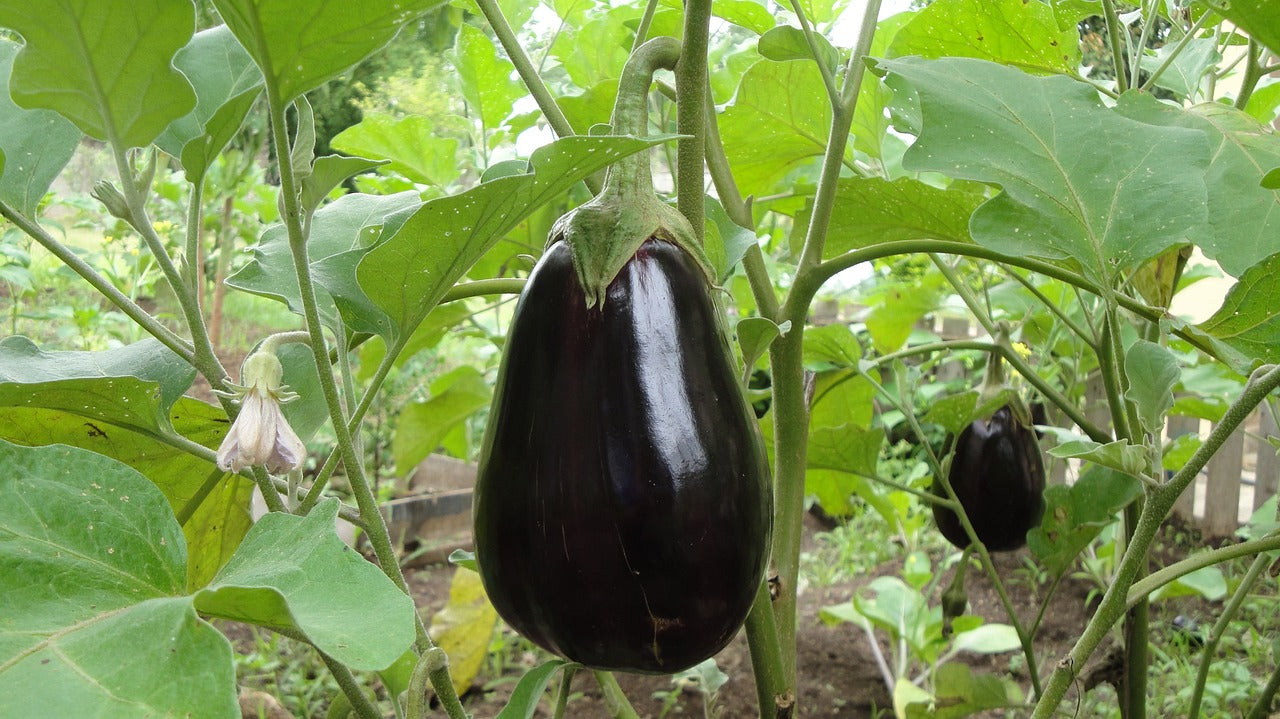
{"x":953,"y":413}
{"x":822,"y":11}
{"x":227,"y":83}
{"x":987,"y":639}
{"x":1188,"y":68}
{"x":1011,"y":32}
{"x":408,"y":274}
{"x":341,"y":232}
{"x":726,"y":242}
{"x":960,"y":694}
{"x":1249,"y":319}
{"x":788,"y":43}
{"x":871,"y":210}
{"x":755,"y":334}
{"x":132,"y":386}
{"x":592,"y":106}
{"x":1244,"y":227}
{"x":216,"y":528}
{"x":529,"y":690}
{"x":841,"y":397}
{"x":485,"y":77}
{"x":995,"y":124}
{"x":410,"y":143}
{"x":300,"y":44}
{"x":892,"y":321}
{"x":1178,"y":451}
{"x":1271,"y":180}
{"x":295,"y":572}
{"x":463,"y":558}
{"x":779,"y":119}
{"x":751,"y":15}
{"x":105,"y":65}
{"x":92,"y":571}
{"x":326,"y":173}
{"x":1259,"y":18}
{"x":1075,"y":514}
{"x":464,"y":627}
{"x":34,"y":144}
{"x":1119,"y":455}
{"x":1206,"y":582}
{"x":1152,"y":371}
{"x":422,"y":426}
{"x":596,"y":50}
{"x":427,"y":335}
{"x":831,"y":347}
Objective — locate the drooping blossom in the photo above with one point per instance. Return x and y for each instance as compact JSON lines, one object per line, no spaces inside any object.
{"x":261,"y":435}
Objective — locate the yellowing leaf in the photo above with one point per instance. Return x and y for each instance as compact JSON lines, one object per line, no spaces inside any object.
{"x":463,"y":628}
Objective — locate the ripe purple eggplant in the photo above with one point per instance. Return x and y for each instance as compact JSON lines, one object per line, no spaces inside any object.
{"x":622,"y":505}
{"x":998,"y":476}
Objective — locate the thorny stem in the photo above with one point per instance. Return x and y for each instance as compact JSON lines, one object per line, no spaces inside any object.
{"x":1155,"y":509}
{"x":179,"y":346}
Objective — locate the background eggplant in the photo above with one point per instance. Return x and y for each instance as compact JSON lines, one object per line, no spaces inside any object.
{"x":622,"y":506}
{"x":998,"y":476}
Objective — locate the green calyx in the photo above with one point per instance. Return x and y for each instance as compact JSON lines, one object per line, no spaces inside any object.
{"x":996,"y":392}
{"x":604,"y":233}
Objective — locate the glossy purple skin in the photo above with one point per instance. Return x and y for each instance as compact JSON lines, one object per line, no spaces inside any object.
{"x":998,"y":477}
{"x":622,"y":506}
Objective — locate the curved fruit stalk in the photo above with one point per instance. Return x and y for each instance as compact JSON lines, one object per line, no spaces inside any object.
{"x":622,"y":505}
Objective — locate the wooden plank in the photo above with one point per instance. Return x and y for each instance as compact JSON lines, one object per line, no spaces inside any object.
{"x":1222,"y":493}
{"x":952,"y":328}
{"x":1267,"y":472}
{"x":432,"y":525}
{"x":1178,"y":426}
{"x":438,"y":473}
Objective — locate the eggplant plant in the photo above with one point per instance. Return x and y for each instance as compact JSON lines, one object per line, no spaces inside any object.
{"x":632,"y":511}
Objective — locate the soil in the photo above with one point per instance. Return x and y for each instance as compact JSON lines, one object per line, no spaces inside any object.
{"x":837,"y":671}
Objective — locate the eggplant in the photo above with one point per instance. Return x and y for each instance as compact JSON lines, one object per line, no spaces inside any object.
{"x":998,"y":476}
{"x":622,"y":503}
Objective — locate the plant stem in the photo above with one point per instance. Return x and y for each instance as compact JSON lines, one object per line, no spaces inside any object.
{"x":360,"y":702}
{"x":566,"y":681}
{"x":375,"y":526}
{"x":828,"y":78}
{"x":179,"y":346}
{"x":642,"y":30}
{"x":1253,"y":72}
{"x":691,"y":109}
{"x":1161,"y":577}
{"x":197,"y":499}
{"x":614,"y":698}
{"x":1117,"y":46}
{"x":766,"y":654}
{"x":1173,"y":54}
{"x":1155,"y":509}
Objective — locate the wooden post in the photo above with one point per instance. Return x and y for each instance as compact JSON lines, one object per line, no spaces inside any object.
{"x":1185,"y":507}
{"x":1222,"y":494}
{"x":1267,"y":468}
{"x":952,"y":328}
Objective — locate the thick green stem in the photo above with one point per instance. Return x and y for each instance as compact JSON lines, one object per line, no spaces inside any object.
{"x":1161,"y":577}
{"x":179,"y":346}
{"x":1155,"y":509}
{"x":615,"y":700}
{"x":1117,"y":45}
{"x":691,"y":110}
{"x":766,"y":654}
{"x":360,"y":702}
{"x":1253,"y":72}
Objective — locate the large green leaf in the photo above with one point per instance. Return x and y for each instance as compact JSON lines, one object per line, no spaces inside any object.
{"x":871,"y":210}
{"x":1152,"y":371}
{"x":103,"y":64}
{"x":1075,"y":514}
{"x":341,"y":233}
{"x":485,"y":77}
{"x":295,"y":572}
{"x":407,"y":274}
{"x":1260,"y":18}
{"x":1249,"y":319}
{"x":982,"y":121}
{"x":779,"y":119}
{"x":1244,"y":226}
{"x":34,"y":144}
{"x":422,"y":426}
{"x":92,"y":571}
{"x":226,"y":83}
{"x":595,"y":51}
{"x":216,"y":528}
{"x":299,"y":44}
{"x":132,"y":386}
{"x":1187,"y":68}
{"x":410,"y":143}
{"x":1011,"y":32}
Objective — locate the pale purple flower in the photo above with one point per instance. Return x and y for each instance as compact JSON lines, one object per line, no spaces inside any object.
{"x":261,"y":435}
